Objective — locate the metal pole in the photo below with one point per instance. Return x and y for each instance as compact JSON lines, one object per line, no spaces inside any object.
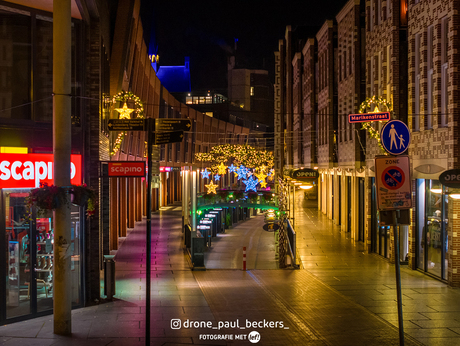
{"x":62,"y":303}
{"x":398,"y":277}
{"x":148,"y":230}
{"x":293,"y":206}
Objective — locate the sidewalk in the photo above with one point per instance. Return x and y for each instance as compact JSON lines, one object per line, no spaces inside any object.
{"x":342,"y":297}
{"x":431,"y":308}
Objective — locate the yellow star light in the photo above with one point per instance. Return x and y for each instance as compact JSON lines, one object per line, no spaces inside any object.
{"x":261,"y":176}
{"x":263,"y":184}
{"x":125,"y":112}
{"x":211,"y":187}
{"x":221,"y":169}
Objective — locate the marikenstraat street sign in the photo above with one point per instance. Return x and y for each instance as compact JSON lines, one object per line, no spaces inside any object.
{"x":368,"y":117}
{"x":168,"y":137}
{"x":126,"y":124}
{"x":170,"y":125}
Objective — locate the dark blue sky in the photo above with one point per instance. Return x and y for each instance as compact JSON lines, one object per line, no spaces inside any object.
{"x":205,"y":30}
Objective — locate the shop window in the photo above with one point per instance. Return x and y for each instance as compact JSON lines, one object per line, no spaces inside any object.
{"x":29,"y":244}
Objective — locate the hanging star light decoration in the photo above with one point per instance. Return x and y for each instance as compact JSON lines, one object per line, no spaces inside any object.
{"x":205,"y":174}
{"x":221,"y":169}
{"x":232,"y":169}
{"x":251,"y":184}
{"x":125,"y":112}
{"x":263,"y":184}
{"x":242,"y":172}
{"x":211,"y":187}
{"x":261,"y":176}
{"x":216,"y":177}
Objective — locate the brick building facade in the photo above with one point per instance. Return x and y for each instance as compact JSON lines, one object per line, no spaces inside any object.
{"x":405,"y":53}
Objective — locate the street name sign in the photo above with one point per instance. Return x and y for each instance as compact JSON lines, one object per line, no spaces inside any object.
{"x":395,"y":137}
{"x":169,"y":125}
{"x":393,"y":182}
{"x":126,"y":124}
{"x":368,"y":117}
{"x":168,"y":137}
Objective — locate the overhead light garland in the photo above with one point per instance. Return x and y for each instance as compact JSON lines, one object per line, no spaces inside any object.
{"x":243,"y":154}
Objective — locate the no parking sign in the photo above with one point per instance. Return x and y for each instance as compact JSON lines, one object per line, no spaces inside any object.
{"x":393,"y":182}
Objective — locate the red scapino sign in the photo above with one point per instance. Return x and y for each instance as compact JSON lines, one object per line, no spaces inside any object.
{"x":126,"y":168}
{"x":29,"y":170}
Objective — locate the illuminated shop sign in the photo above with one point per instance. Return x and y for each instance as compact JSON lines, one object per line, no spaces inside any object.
{"x":126,"y":168}
{"x":206,"y":221}
{"x":169,"y":169}
{"x":29,"y":170}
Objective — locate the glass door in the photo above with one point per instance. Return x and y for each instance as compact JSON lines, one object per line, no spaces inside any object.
{"x":16,"y":232}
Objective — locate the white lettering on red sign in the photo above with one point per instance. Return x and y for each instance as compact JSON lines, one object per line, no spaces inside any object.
{"x":126,"y":169}
{"x":29,"y":170}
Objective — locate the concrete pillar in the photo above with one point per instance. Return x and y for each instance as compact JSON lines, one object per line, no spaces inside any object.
{"x":138,"y":199}
{"x":62,"y":283}
{"x":123,"y":201}
{"x":114,"y":215}
{"x":144,"y":197}
{"x":131,"y":201}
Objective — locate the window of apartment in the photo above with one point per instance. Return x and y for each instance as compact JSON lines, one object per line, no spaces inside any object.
{"x":371,"y":75}
{"x":371,"y":16}
{"x":350,"y":61}
{"x":379,"y":73}
{"x":444,"y":70}
{"x":417,"y":84}
{"x":388,"y":96}
{"x":388,"y":9}
{"x":430,"y":81}
{"x":340,"y":68}
{"x":379,"y":12}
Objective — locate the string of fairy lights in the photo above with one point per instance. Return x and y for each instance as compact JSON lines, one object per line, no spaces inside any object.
{"x":250,"y":165}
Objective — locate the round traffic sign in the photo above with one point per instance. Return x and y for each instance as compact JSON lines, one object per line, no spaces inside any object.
{"x":395,"y":137}
{"x":393,"y":178}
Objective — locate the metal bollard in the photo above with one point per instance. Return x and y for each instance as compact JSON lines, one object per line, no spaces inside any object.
{"x":109,"y":276}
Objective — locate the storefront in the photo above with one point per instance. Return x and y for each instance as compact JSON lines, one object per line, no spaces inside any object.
{"x":431,"y":227}
{"x":27,"y":238}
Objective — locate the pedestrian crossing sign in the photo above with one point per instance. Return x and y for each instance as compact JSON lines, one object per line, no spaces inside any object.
{"x":395,"y":137}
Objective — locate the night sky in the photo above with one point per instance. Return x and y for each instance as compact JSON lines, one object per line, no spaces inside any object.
{"x":205,"y":31}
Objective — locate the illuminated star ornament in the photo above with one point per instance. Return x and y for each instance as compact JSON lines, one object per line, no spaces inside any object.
{"x":216,"y":177}
{"x":232,"y":169}
{"x":263,"y":184}
{"x":242,"y":171}
{"x":211,"y":187}
{"x":221,"y":169}
{"x":125,"y":112}
{"x":251,"y":184}
{"x":205,"y":174}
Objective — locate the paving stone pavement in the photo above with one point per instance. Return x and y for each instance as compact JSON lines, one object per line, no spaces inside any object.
{"x":341,"y":297}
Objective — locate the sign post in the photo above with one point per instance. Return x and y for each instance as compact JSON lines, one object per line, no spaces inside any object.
{"x":393,"y":182}
{"x":159,"y":131}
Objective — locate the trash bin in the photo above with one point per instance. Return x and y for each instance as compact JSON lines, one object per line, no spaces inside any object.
{"x":109,"y":276}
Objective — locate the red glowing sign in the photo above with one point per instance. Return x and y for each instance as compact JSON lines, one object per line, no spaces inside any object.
{"x":165,"y":169}
{"x":126,"y":168}
{"x":29,"y":170}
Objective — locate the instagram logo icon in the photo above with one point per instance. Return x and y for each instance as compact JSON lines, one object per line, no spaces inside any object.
{"x":175,"y":323}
